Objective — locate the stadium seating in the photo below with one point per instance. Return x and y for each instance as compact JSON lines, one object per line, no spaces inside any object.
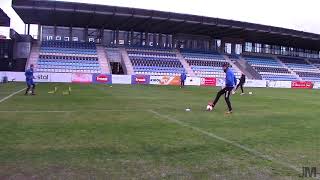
{"x":315,"y":62}
{"x":62,"y":56}
{"x":206,"y":64}
{"x":270,"y":69}
{"x":153,"y":61}
{"x":302,"y":68}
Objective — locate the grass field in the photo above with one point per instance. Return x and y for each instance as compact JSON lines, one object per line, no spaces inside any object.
{"x":144,"y":132}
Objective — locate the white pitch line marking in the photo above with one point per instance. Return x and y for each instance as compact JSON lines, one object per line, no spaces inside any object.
{"x":14,"y":93}
{"x":66,"y":111}
{"x":249,"y":150}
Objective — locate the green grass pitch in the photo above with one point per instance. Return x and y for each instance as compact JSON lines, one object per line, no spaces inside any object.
{"x":144,"y":132}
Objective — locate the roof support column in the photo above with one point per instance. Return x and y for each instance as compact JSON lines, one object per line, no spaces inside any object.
{"x":128,"y":38}
{"x":174,"y":43}
{"x":102,"y":35}
{"x":243,"y":47}
{"x":39,"y":35}
{"x":154,"y":44}
{"x":253,"y":47}
{"x":131,"y":37}
{"x":28,"y":29}
{"x":70,"y":33}
{"x":25,"y":28}
{"x":147,"y":39}
{"x":85,"y":34}
{"x":222,"y":46}
{"x":141,"y":39}
{"x":54,"y":31}
{"x":113,"y":32}
{"x":167,"y":41}
{"x":263,"y":49}
{"x":233,"y":48}
{"x":117,"y":36}
{"x":160,"y":40}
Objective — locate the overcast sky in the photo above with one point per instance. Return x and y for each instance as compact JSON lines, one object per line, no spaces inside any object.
{"x":293,"y":14}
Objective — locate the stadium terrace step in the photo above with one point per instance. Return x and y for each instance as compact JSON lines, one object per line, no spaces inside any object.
{"x":103,"y":61}
{"x":232,"y":64}
{"x":185,"y":64}
{"x":247,"y":69}
{"x":127,"y":68}
{"x":34,"y":54}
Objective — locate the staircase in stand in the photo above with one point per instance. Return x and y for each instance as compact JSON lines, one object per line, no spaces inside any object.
{"x":127,"y":65}
{"x":103,"y":61}
{"x":185,"y":65}
{"x":34,"y":54}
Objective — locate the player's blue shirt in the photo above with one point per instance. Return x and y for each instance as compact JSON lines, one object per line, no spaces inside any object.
{"x":231,"y":79}
{"x":183,"y":76}
{"x":29,"y":74}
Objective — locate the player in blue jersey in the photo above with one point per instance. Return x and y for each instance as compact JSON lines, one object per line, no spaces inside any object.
{"x":231,"y":82}
{"x":29,"y":80}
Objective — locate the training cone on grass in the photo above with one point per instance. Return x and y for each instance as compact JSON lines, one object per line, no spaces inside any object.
{"x":54,"y":91}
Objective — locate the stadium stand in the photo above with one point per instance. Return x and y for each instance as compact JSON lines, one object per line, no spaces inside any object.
{"x":154,"y":31}
{"x":302,"y":68}
{"x":315,"y":62}
{"x":207,"y":64}
{"x":233,"y":57}
{"x":62,"y":56}
{"x":269,"y":68}
{"x":153,"y":61}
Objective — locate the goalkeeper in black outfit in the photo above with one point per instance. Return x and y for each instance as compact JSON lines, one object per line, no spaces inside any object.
{"x":241,"y":83}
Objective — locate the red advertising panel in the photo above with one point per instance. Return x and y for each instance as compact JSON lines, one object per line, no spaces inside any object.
{"x":208,"y":81}
{"x":140,"y":79}
{"x":102,"y":78}
{"x":301,"y":85}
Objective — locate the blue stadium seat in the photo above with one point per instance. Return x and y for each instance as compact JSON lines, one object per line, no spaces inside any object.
{"x":62,"y":56}
{"x":270,"y":69}
{"x":155,"y":61}
{"x":205,"y":64}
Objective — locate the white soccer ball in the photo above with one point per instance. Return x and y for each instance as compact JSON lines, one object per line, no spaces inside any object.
{"x":209,"y":107}
{"x":250,"y":93}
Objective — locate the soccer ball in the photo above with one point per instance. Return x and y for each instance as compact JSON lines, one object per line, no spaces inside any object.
{"x":209,"y":107}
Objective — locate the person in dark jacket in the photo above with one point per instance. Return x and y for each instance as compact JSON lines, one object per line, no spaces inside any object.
{"x":241,"y":83}
{"x":231,"y":81}
{"x":183,"y":78}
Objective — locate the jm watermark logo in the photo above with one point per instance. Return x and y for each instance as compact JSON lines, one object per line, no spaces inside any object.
{"x":310,"y":172}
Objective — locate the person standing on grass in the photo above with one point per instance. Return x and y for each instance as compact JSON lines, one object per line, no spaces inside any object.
{"x":231,"y":81}
{"x":29,"y":80}
{"x":183,"y":77}
{"x":241,"y":83}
